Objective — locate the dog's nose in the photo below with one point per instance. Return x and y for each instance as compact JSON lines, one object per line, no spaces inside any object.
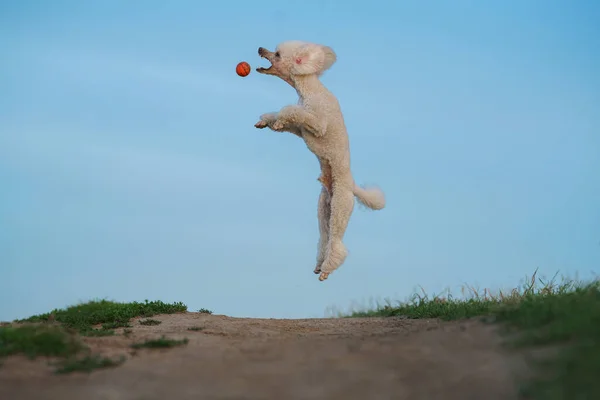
{"x":260,"y":50}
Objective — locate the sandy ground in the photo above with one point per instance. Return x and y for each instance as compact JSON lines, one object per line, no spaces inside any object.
{"x":238,"y":358}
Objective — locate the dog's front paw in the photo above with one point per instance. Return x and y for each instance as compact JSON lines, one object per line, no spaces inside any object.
{"x":261,"y":124}
{"x":266,"y":120}
{"x":323,"y":276}
{"x":277,"y":125}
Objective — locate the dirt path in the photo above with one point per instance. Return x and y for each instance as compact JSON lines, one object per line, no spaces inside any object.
{"x":235,"y":358}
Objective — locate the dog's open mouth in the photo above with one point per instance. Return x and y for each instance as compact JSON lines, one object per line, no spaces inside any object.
{"x":266,"y":54}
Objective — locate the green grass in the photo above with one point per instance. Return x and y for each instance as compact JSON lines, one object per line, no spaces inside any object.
{"x":98,"y":332}
{"x":56,"y":334}
{"x":150,"y":322}
{"x":87,"y":364}
{"x":163,"y":342}
{"x":570,"y":322}
{"x":38,"y":340}
{"x":195,"y":328}
{"x":51,"y":341}
{"x":110,"y":315}
{"x":539,"y":314}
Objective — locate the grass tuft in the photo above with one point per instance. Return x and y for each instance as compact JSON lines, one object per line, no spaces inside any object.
{"x":195,"y":328}
{"x":98,"y":332}
{"x":87,"y":364}
{"x":150,"y":322}
{"x":54,"y":334}
{"x":568,"y":321}
{"x":111,"y":315}
{"x":51,"y":341}
{"x":437,"y":308}
{"x":38,"y":340}
{"x":472,"y":302}
{"x":163,"y":342}
{"x":538,"y":314}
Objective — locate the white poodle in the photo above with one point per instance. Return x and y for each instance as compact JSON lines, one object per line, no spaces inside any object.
{"x":319,"y":121}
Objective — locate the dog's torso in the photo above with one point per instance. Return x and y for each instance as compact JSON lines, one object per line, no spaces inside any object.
{"x":333,"y":148}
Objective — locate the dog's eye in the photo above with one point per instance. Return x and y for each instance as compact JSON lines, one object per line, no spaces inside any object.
{"x":277,"y":54}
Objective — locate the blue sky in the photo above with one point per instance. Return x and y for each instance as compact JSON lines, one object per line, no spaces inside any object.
{"x":131,"y":169}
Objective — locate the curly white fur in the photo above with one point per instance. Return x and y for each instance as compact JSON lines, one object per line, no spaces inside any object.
{"x":318,"y":119}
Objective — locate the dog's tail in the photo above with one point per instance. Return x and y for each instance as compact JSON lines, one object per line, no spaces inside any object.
{"x":371,"y":197}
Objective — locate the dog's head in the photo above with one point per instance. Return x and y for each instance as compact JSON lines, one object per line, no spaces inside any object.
{"x":296,"y":58}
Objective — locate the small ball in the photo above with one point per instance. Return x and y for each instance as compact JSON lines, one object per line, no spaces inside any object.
{"x":242,"y":69}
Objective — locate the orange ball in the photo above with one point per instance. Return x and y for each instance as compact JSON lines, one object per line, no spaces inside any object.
{"x":242,"y":69}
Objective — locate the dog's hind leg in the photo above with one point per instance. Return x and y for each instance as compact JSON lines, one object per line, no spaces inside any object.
{"x":323,"y":214}
{"x":342,"y":205}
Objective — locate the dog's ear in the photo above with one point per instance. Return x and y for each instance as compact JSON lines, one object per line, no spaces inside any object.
{"x":330,"y":57}
{"x":312,"y":59}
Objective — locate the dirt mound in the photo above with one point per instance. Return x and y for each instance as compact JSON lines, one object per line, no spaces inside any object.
{"x":239,"y":358}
